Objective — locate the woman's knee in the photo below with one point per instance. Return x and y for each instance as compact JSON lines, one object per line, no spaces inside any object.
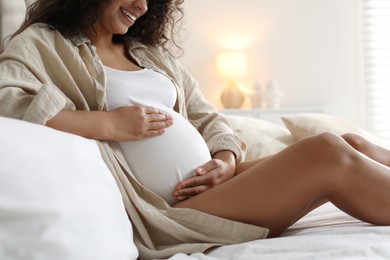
{"x":332,"y":149}
{"x":356,"y":141}
{"x":328,"y":142}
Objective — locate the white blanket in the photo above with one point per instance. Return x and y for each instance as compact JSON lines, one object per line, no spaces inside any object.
{"x":326,"y":233}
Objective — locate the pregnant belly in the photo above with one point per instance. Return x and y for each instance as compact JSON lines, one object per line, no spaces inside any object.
{"x":160,"y":163}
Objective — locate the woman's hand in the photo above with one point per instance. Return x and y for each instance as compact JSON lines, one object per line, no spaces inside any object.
{"x":127,"y":123}
{"x":216,"y":171}
{"x":136,"y":123}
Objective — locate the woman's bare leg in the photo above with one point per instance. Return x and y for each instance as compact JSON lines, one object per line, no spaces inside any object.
{"x":369,"y":149}
{"x":278,"y":191}
{"x":359,"y":143}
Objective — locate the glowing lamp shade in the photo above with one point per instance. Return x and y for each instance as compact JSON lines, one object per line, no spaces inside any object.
{"x":231,"y":67}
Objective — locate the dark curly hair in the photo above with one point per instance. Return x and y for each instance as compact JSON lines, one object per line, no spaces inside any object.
{"x":160,"y":25}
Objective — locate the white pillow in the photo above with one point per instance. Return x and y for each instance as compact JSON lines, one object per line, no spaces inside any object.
{"x":263,"y":138}
{"x":58,"y":199}
{"x":308,"y":124}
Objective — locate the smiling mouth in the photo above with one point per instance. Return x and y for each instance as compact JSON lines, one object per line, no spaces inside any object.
{"x":128,"y":14}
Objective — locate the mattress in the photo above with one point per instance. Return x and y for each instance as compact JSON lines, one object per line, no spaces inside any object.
{"x":325,"y":233}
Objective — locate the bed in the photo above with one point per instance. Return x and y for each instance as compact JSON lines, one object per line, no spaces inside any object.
{"x":37,"y":222}
{"x":69,"y":207}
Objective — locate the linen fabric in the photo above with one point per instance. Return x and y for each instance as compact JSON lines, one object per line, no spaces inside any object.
{"x":43,"y":73}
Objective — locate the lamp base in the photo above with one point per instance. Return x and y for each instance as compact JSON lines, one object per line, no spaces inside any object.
{"x":232,"y":96}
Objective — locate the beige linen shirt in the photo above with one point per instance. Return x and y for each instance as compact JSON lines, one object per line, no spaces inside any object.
{"x":42,"y":73}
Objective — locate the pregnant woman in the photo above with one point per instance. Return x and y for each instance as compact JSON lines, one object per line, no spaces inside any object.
{"x":160,"y":163}
{"x":103,"y":69}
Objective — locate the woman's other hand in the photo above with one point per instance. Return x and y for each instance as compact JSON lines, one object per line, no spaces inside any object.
{"x":132,"y":123}
{"x":216,"y":171}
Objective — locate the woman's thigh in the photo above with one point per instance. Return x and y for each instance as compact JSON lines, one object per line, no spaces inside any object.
{"x":274,"y":193}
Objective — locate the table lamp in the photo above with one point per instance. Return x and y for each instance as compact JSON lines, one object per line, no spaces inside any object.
{"x":232,"y":66}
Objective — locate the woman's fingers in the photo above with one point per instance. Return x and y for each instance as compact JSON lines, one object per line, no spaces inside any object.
{"x":191,"y":192}
{"x":132,"y":123}
{"x":193,"y":186}
{"x":156,"y":121}
{"x":159,"y":122}
{"x":158,"y":118}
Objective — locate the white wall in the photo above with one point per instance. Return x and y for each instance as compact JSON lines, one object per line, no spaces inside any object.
{"x":310,"y":47}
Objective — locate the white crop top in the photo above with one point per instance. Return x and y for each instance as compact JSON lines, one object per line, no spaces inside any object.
{"x":159,"y":163}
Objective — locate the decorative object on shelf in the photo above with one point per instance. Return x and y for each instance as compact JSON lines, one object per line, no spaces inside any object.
{"x":232,"y":96}
{"x":231,"y":67}
{"x":273,"y":95}
{"x":257,"y":95}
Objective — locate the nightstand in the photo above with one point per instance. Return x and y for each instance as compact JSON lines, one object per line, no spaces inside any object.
{"x":272,"y":114}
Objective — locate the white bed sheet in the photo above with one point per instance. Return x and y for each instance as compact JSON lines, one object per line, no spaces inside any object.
{"x":325,"y":233}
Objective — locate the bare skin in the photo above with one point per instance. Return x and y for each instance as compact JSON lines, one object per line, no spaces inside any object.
{"x":273,"y":192}
{"x":278,"y":191}
{"x":373,"y":151}
{"x":122,"y":124}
